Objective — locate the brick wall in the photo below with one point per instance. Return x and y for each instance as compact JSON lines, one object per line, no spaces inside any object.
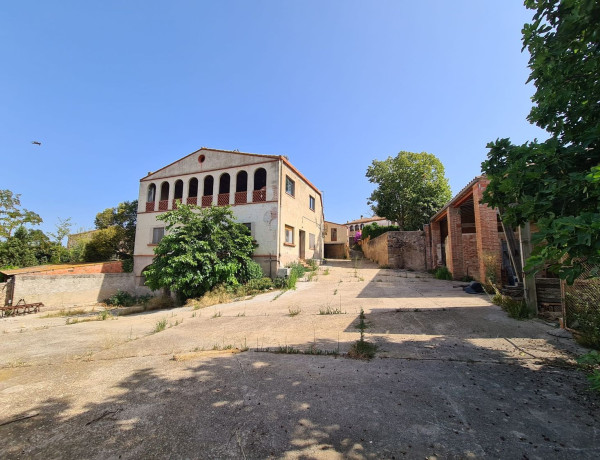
{"x":486,"y":225}
{"x":398,"y":250}
{"x":454,"y":249}
{"x":470,"y":257}
{"x":57,"y":291}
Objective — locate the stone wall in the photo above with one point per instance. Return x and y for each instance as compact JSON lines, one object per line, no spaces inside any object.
{"x":58,"y":291}
{"x":398,"y":250}
{"x":3,"y":291}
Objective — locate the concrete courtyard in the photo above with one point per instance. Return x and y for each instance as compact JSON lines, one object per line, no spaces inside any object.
{"x":454,"y":377}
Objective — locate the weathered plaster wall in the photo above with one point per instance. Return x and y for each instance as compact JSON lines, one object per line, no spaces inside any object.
{"x":57,"y":291}
{"x":295,"y":212}
{"x":398,"y":250}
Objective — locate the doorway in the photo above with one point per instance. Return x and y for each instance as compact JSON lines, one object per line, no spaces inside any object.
{"x":302,"y":237}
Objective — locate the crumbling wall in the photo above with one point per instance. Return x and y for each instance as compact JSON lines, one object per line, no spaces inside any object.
{"x":58,"y":291}
{"x":398,"y":250}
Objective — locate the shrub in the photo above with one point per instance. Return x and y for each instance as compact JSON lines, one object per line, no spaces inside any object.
{"x":262,"y":284}
{"x":516,"y":309}
{"x":442,"y":273}
{"x":127,"y":265}
{"x":253,"y":271}
{"x":373,"y":230}
{"x":121,"y":299}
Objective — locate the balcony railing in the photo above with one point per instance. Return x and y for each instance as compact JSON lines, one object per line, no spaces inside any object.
{"x":176,"y":202}
{"x":163,"y":205}
{"x":150,"y":206}
{"x":241,"y":197}
{"x":259,"y":195}
{"x":206,"y":201}
{"x":222,"y":199}
{"x":192,"y":200}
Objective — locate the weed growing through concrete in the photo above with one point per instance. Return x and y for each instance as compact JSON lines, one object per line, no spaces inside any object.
{"x":289,"y":350}
{"x":331,"y":311}
{"x":63,"y":312}
{"x":326,"y":272}
{"x":241,"y":314}
{"x":294,"y":311}
{"x":361,"y":349}
{"x":335,"y":292}
{"x":161,"y":325}
{"x":104,"y":314}
{"x":516,"y":309}
{"x":217,"y":314}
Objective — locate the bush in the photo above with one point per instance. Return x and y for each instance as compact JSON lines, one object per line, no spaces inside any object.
{"x":442,"y":273}
{"x":253,"y":271}
{"x":262,"y":284}
{"x":373,"y":230}
{"x":121,"y":299}
{"x":127,"y":265}
{"x":516,"y":309}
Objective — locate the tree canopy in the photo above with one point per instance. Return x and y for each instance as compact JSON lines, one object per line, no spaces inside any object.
{"x":411,"y":187}
{"x":202,"y":248}
{"x":556,"y":183}
{"x":116,"y":235}
{"x":12,"y":216}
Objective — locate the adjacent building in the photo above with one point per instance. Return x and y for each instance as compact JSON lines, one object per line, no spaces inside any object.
{"x":336,"y":241}
{"x":281,"y":207}
{"x":358,"y":224}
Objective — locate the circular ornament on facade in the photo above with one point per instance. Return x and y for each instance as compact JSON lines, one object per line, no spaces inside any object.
{"x":201,"y":159}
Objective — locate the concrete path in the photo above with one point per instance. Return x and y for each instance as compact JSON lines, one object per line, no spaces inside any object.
{"x":454,"y":378}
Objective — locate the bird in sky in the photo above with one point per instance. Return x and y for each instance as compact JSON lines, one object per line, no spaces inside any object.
{"x":36,"y":142}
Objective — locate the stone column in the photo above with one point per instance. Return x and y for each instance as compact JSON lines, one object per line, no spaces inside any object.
{"x":455,"y":249}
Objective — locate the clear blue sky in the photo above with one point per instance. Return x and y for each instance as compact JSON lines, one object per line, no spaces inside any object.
{"x":115,"y":89}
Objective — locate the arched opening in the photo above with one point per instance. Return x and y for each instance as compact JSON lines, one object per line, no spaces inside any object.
{"x":241,"y":187}
{"x":178,"y":193}
{"x":143,"y":277}
{"x":163,"y":204}
{"x":193,"y":191}
{"x":209,"y":183}
{"x":151,"y":198}
{"x":224,"y":183}
{"x":260,"y":185}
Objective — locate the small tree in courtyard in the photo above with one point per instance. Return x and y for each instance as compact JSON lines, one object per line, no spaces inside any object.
{"x":201,"y":249}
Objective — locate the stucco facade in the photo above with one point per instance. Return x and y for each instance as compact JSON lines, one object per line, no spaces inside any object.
{"x":282,"y":208}
{"x":336,"y":241}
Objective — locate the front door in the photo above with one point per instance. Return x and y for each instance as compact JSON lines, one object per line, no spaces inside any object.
{"x":302,"y":243}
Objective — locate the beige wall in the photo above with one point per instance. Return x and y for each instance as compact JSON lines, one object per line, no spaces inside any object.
{"x":398,"y":250}
{"x":57,"y":291}
{"x":295,"y":212}
{"x":342,"y":233}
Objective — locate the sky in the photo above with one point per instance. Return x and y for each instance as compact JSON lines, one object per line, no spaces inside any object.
{"x":115,"y":89}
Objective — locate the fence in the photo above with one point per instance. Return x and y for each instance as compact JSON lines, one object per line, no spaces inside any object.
{"x":581,"y":307}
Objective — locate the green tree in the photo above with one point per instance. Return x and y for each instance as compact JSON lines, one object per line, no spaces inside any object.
{"x":103,"y":244}
{"x":411,"y":187}
{"x":19,"y":250}
{"x":202,"y":248}
{"x":556,"y":183}
{"x":12,"y":216}
{"x":123,"y":218}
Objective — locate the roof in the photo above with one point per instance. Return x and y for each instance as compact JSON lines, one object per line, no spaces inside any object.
{"x":365,"y":219}
{"x":334,"y":223}
{"x":44,"y":268}
{"x":458,"y":197}
{"x":237,"y":152}
{"x":273,"y":157}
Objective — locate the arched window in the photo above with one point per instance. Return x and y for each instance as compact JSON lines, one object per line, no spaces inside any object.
{"x":151,"y":198}
{"x":241,"y":188}
{"x":193,"y":191}
{"x":224,"y":183}
{"x":362,"y":226}
{"x":351,"y":228}
{"x":260,"y":185}
{"x":208,"y":191}
{"x":163,"y":204}
{"x":178,"y":193}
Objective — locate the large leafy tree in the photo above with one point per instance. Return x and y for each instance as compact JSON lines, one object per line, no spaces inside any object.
{"x":201,"y":249}
{"x":556,"y":183}
{"x":116,"y":237}
{"x":411,"y":187}
{"x":12,"y":215}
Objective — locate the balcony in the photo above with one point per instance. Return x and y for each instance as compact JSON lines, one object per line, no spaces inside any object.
{"x":150,"y":206}
{"x":207,"y":201}
{"x":241,"y":197}
{"x":192,"y":200}
{"x":222,"y":199}
{"x":163,"y":205}
{"x":259,"y":196}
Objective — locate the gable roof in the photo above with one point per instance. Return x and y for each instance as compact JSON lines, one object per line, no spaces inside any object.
{"x":365,"y":219}
{"x":459,"y":196}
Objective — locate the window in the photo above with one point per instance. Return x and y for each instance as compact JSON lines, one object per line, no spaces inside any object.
{"x":249,"y":226}
{"x":311,"y":241}
{"x":311,"y":202}
{"x":334,"y":234}
{"x":289,"y":235}
{"x":290,"y":186}
{"x":157,"y":234}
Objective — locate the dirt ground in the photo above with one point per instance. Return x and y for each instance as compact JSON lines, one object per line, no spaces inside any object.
{"x":454,"y":377}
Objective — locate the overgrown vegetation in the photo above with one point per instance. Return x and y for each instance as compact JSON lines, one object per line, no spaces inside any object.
{"x":590,"y":362}
{"x":374,"y":230}
{"x":442,"y":273}
{"x":362,"y":349}
{"x":331,"y":311}
{"x":125,"y":299}
{"x":202,"y":248}
{"x":556,"y":183}
{"x":584,"y":314}
{"x":516,"y":309}
{"x":225,"y":294}
{"x":294,"y":311}
{"x":161,"y":325}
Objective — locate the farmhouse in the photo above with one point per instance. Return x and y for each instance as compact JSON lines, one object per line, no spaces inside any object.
{"x":282,"y":209}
